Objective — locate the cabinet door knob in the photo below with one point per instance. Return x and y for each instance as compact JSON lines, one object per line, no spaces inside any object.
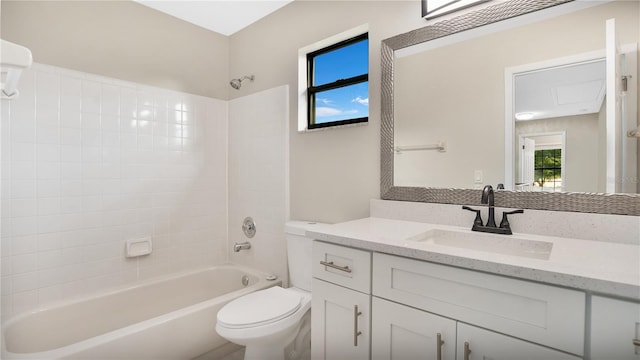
{"x":636,"y":342}
{"x":467,"y":351}
{"x":356,"y":333}
{"x":334,"y":266}
{"x":439,"y":344}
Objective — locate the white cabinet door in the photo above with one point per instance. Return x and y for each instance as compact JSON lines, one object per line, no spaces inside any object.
{"x":484,"y":344}
{"x":401,"y":333}
{"x":542,"y":314}
{"x":615,"y":324}
{"x":340,"y":322}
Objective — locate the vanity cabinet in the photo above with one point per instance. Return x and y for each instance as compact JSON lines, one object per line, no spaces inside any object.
{"x":615,"y":329}
{"x":383,"y":306}
{"x":538,"y":314}
{"x":400,"y":332}
{"x":341,"y":302}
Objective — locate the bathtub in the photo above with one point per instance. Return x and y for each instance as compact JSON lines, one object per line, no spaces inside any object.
{"x":171,"y":318}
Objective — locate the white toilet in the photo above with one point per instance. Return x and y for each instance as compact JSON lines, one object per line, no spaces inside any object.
{"x":275,"y":323}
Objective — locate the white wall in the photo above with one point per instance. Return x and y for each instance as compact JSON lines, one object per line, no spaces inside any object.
{"x":88,"y":162}
{"x":258,"y":173}
{"x":122,"y":40}
{"x":334,"y":172}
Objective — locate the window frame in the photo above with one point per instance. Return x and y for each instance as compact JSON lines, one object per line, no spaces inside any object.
{"x":554,"y":168}
{"x":340,"y":83}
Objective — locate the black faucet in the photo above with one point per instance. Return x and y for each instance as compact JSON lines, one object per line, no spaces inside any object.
{"x":490,"y":226}
{"x":487,"y":198}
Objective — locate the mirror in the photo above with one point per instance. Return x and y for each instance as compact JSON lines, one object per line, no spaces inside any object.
{"x":447,"y":87}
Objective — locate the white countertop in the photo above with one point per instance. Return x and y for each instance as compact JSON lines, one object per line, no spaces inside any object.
{"x":595,"y":266}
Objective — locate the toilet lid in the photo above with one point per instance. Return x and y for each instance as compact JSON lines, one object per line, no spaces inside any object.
{"x":260,"y":308}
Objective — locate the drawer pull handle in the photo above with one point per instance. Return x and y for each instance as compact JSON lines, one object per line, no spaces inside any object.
{"x":636,"y":342}
{"x":337,"y":267}
{"x":467,"y":351}
{"x":439,"y":344}
{"x":356,"y":333}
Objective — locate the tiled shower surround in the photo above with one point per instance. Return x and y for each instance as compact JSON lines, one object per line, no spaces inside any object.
{"x":88,"y":162}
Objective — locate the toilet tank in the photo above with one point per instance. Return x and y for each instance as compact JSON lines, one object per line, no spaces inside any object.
{"x":299,"y":253}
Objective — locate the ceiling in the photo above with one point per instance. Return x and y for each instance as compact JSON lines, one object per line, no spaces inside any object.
{"x":222,"y":16}
{"x":561,"y":91}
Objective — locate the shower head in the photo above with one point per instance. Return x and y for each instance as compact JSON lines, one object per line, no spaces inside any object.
{"x":237,"y":83}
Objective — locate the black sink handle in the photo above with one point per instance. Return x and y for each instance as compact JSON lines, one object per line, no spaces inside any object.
{"x":478,"y":220}
{"x":505,"y":222}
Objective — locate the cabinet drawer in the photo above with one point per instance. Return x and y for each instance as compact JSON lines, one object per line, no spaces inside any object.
{"x":544,"y":314}
{"x":342,"y":265}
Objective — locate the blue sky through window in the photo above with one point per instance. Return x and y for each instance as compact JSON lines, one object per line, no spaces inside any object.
{"x":349,"y":102}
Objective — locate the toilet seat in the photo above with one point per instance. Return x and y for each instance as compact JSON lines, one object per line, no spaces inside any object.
{"x":260,"y":308}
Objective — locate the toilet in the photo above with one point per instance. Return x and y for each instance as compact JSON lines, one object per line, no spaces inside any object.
{"x":275,"y":323}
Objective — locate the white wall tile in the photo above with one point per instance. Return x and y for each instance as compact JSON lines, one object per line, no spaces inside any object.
{"x":110,"y":100}
{"x":23,"y":207}
{"x":23,"y":282}
{"x":21,"y":188}
{"x":86,"y":165}
{"x":24,"y":301}
{"x":70,"y":118}
{"x":70,"y":95}
{"x":23,"y":170}
{"x":47,"y":152}
{"x":23,"y":244}
{"x":49,"y":170}
{"x":90,"y":121}
{"x":91,"y":96}
{"x":48,"y":206}
{"x":22,"y":152}
{"x":70,"y":136}
{"x":23,"y":226}
{"x":47,"y":188}
{"x":248,"y":193}
{"x":47,"y":95}
{"x":48,"y":135}
{"x":23,"y":263}
{"x":23,"y":130}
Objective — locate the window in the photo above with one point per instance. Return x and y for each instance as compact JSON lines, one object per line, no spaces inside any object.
{"x":338,"y":84}
{"x":548,"y":169}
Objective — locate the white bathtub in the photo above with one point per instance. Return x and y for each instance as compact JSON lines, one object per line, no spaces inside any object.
{"x":172,"y":318}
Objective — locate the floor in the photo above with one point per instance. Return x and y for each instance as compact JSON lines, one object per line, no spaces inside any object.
{"x":226,"y":352}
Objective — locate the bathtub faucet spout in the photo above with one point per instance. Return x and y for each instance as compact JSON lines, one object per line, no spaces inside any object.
{"x":241,"y":246}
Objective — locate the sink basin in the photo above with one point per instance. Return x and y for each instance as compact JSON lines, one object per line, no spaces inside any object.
{"x":499,"y":244}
